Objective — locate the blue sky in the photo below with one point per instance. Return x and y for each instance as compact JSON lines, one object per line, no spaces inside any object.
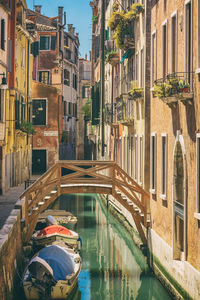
{"x":78,"y":13}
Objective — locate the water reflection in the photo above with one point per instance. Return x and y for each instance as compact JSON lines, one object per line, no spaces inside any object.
{"x":113,"y":267}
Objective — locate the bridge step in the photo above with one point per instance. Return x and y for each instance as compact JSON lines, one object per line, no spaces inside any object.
{"x":41,"y":203}
{"x":35,"y":208}
{"x":47,"y":197}
{"x":53,"y":192}
{"x":118,"y":192}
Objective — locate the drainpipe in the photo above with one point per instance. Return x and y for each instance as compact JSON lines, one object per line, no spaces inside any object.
{"x":102,"y":75}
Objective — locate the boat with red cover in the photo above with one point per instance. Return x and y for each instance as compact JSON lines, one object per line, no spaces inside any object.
{"x":53,"y":233}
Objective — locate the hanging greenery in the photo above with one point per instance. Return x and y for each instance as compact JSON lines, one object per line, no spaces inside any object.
{"x":27,"y":127}
{"x":94,"y":19}
{"x":87,"y":109}
{"x":119,"y":22}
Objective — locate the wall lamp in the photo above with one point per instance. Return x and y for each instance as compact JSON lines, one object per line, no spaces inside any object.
{"x":3,"y":82}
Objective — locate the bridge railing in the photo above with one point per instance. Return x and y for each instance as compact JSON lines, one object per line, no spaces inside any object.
{"x":82,"y":176}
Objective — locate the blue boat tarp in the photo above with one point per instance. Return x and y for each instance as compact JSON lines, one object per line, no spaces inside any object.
{"x":59,"y":260}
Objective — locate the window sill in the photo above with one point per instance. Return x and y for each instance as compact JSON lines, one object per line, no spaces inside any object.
{"x":197,"y":216}
{"x":152,"y":191}
{"x":163,"y":197}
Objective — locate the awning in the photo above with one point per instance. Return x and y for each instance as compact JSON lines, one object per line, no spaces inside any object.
{"x":126,"y":55}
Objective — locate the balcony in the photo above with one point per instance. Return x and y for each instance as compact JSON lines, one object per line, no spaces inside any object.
{"x":175,"y":87}
{"x":112,"y":58}
{"x":136,"y":93}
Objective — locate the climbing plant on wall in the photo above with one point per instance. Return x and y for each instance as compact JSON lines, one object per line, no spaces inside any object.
{"x":120,"y":22}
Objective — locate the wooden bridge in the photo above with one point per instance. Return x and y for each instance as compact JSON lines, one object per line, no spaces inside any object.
{"x":101,"y":177}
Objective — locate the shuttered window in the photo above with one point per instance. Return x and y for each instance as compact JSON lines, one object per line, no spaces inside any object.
{"x":39,"y":112}
{"x":2,"y":34}
{"x":66,"y":77}
{"x":44,"y":77}
{"x":44,"y":42}
{"x":53,"y":42}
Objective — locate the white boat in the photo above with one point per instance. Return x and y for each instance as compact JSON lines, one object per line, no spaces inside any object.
{"x":52,"y":273}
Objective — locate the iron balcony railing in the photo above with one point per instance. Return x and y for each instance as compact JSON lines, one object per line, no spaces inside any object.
{"x":175,"y":83}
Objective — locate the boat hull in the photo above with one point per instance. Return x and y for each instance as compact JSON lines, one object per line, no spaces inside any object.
{"x":60,"y":291}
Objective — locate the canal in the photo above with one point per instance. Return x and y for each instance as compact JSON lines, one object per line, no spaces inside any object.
{"x":112,"y":265}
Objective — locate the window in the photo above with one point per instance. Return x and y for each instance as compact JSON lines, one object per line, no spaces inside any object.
{"x":164,"y":166}
{"x":136,"y":67}
{"x":198,"y":34}
{"x":69,"y":108}
{"x":44,"y":42}
{"x":66,"y":77}
{"x":164,"y":49}
{"x":85,"y":91}
{"x":75,"y":110}
{"x":141,"y":159}
{"x":173,"y":42}
{"x":47,"y":42}
{"x":1,"y":104}
{"x":153,"y":163}
{"x":188,"y":41}
{"x":142,"y":68}
{"x":2,"y":34}
{"x":17,"y":112}
{"x":124,"y":153}
{"x":75,"y":81}
{"x":131,"y":162}
{"x":65,"y":108}
{"x":198,"y":171}
{"x":53,"y":42}
{"x":23,"y":109}
{"x":44,"y":77}
{"x":22,"y":57}
{"x":39,"y":112}
{"x":136,"y":162}
{"x":154,"y":61}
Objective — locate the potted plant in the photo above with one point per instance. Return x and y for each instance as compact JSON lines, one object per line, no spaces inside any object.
{"x":162,"y":90}
{"x":112,"y":57}
{"x":184,"y":87}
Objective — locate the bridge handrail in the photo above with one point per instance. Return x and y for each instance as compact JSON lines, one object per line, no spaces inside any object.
{"x":48,"y":187}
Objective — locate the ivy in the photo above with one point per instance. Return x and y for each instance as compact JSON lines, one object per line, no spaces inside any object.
{"x":119,"y":22}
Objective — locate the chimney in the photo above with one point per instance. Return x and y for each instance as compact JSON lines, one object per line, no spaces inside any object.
{"x":60,"y":14}
{"x":90,"y":52}
{"x":73,"y":30}
{"x":85,"y":56}
{"x":38,"y":8}
{"x":69,"y":28}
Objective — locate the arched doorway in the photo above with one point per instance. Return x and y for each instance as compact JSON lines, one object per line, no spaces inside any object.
{"x":178,"y":203}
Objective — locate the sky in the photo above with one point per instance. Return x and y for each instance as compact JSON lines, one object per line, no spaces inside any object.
{"x":78,"y":13}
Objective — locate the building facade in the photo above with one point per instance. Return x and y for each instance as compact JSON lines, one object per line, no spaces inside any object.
{"x":70,"y":48}
{"x":150,"y":121}
{"x":174,"y":137}
{"x":84,"y":110}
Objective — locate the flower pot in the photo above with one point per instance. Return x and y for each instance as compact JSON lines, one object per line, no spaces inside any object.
{"x":186,"y":90}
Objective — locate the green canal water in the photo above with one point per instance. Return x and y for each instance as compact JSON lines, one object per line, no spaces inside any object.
{"x":113,"y":268}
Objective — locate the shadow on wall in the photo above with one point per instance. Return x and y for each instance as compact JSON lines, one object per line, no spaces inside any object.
{"x":191,"y":121}
{"x":175,"y":119}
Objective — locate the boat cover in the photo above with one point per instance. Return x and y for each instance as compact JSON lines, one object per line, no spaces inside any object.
{"x":52,"y":229}
{"x":59,"y":259}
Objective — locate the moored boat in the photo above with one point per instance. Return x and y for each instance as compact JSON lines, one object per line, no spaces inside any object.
{"x":52,"y":273}
{"x":53,"y":233}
